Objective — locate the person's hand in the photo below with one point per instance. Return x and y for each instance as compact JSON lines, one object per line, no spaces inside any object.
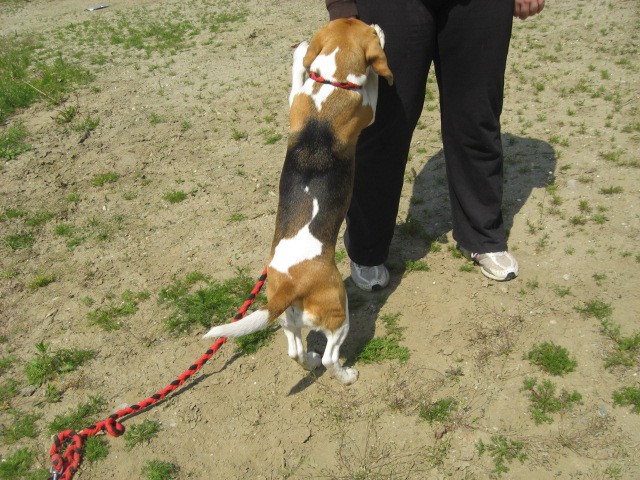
{"x":527,"y":8}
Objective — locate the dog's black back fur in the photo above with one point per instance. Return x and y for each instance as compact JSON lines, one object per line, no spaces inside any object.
{"x":315,"y":160}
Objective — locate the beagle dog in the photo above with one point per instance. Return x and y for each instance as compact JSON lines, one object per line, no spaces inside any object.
{"x":333,"y":97}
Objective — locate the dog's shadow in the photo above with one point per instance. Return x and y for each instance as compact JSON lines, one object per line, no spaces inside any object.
{"x":529,"y":163}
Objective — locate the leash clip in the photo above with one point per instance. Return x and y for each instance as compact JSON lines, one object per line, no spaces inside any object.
{"x":54,"y":473}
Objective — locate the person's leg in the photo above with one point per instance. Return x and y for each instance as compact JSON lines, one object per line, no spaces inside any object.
{"x":473,"y":42}
{"x":383,"y":147}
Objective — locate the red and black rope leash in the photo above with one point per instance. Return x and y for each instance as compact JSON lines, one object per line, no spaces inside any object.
{"x":65,"y":463}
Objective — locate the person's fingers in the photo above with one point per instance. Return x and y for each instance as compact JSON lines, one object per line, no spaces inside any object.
{"x":526,"y":8}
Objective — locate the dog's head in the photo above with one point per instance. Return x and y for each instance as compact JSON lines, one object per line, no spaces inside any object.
{"x":353,"y":46}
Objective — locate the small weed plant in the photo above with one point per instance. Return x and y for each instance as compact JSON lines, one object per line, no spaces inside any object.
{"x":388,"y":346}
{"x":626,"y":351}
{"x":438,"y":411}
{"x":552,"y":358}
{"x":595,"y":308}
{"x":502,"y":450}
{"x":545,"y":402}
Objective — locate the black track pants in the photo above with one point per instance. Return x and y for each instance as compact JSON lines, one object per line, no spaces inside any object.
{"x":468,"y":41}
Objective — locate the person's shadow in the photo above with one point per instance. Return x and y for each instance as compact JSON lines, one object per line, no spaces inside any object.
{"x":529,"y":163}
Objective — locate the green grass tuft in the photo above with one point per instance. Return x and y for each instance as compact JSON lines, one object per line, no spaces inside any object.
{"x":387,"y":347}
{"x":23,"y":425}
{"x":19,"y":465}
{"x":157,"y":470}
{"x":271,"y":139}
{"x":63,"y":230}
{"x":12,"y":141}
{"x":38,"y":218}
{"x":41,"y":280}
{"x":6,"y":363}
{"x":18,"y":241}
{"x":8,"y":390}
{"x":104,"y":178}
{"x":611,"y":190}
{"x":142,"y":433}
{"x":416,"y":266}
{"x":26,"y":79}
{"x":48,"y":365}
{"x":110,"y":317}
{"x":84,"y":415}
{"x":628,"y":396}
{"x":250,"y":344}
{"x":199,"y":300}
{"x":175,"y":196}
{"x":552,"y":358}
{"x":95,"y":449}
{"x":411,"y":227}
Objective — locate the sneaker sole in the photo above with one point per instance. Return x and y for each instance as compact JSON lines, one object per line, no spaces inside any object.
{"x":375,"y":288}
{"x":510,"y":275}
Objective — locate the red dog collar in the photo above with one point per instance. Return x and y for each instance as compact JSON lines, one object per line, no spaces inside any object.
{"x":346,"y":85}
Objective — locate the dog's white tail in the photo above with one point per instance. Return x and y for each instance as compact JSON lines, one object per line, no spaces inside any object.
{"x":258,"y":320}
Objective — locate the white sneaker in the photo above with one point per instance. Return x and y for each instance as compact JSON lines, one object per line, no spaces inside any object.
{"x":501,"y":266}
{"x":369,"y":278}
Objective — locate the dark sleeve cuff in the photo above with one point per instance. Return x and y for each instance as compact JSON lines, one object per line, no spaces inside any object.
{"x":342,"y":9}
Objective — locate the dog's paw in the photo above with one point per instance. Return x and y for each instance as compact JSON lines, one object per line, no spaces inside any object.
{"x":348,"y":375}
{"x":312,"y":360}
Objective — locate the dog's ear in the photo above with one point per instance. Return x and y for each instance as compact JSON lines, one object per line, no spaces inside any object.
{"x":376,"y":57}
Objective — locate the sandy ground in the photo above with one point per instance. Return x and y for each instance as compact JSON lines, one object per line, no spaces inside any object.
{"x":262,"y":416}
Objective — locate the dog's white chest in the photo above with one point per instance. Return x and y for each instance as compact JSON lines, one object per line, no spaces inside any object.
{"x":303,"y":246}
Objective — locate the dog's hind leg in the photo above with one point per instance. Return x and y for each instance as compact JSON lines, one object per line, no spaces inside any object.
{"x":291,"y":324}
{"x":331,"y":357}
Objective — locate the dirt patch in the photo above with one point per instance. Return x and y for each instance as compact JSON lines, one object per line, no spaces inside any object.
{"x":197,"y":103}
